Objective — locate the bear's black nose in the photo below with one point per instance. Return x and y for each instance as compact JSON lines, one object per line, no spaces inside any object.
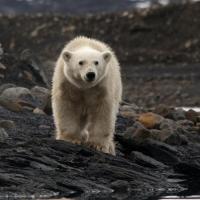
{"x":90,"y":76}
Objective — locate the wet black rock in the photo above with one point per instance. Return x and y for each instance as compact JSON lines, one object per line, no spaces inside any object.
{"x":145,"y":160}
{"x":34,"y":163}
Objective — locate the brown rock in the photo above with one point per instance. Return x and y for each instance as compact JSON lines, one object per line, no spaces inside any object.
{"x":150,"y":120}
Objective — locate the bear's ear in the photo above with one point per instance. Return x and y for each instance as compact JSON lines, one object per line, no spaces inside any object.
{"x":107,"y":56}
{"x":67,"y":55}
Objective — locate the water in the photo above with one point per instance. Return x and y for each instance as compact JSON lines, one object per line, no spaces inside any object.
{"x":180,"y":197}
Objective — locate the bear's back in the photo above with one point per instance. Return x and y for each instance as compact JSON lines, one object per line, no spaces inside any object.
{"x":82,"y":41}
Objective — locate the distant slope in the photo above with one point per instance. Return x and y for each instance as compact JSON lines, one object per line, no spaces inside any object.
{"x":63,"y":6}
{"x":75,"y":6}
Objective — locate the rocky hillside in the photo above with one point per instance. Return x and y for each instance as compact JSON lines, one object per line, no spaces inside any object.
{"x":165,"y":35}
{"x":75,"y":7}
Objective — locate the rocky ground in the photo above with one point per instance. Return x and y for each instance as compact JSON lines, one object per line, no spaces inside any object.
{"x":158,"y":145}
{"x":157,"y":149}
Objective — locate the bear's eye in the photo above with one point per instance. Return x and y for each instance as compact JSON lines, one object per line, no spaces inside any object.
{"x":96,"y":62}
{"x":81,"y":63}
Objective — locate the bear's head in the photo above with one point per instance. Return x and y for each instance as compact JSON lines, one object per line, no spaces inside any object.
{"x":86,"y":67}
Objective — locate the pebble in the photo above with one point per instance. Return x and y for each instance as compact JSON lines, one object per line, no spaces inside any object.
{"x":38,"y":111}
{"x":43,"y":126}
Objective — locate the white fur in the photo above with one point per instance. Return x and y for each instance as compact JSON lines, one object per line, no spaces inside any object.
{"x":85,"y":112}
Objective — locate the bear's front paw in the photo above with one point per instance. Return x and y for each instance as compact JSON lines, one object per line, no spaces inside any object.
{"x":84,"y":136}
{"x":111,"y":147}
{"x":108,"y":147}
{"x":68,"y":137}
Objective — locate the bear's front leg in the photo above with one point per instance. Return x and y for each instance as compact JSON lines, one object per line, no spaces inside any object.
{"x":102,"y":129}
{"x":67,"y":120}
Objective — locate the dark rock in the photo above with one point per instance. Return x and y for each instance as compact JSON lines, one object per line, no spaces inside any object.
{"x":123,"y":123}
{"x":41,"y":95}
{"x":136,"y":134}
{"x":177,"y":139}
{"x":3,"y":135}
{"x":48,"y":107}
{"x":163,"y":110}
{"x":167,"y":124}
{"x":192,"y":115}
{"x":185,"y":123}
{"x":178,"y":114}
{"x":145,"y":161}
{"x":191,"y":168}
{"x":160,"y":135}
{"x":7,"y":124}
{"x":20,"y":71}
{"x":1,"y":50}
{"x":120,"y":186}
{"x":160,"y":151}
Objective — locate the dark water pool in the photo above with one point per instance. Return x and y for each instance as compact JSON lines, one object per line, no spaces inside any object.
{"x":192,"y":185}
{"x":180,"y":197}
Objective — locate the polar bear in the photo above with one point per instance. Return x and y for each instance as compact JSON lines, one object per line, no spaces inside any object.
{"x":86,"y":93}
